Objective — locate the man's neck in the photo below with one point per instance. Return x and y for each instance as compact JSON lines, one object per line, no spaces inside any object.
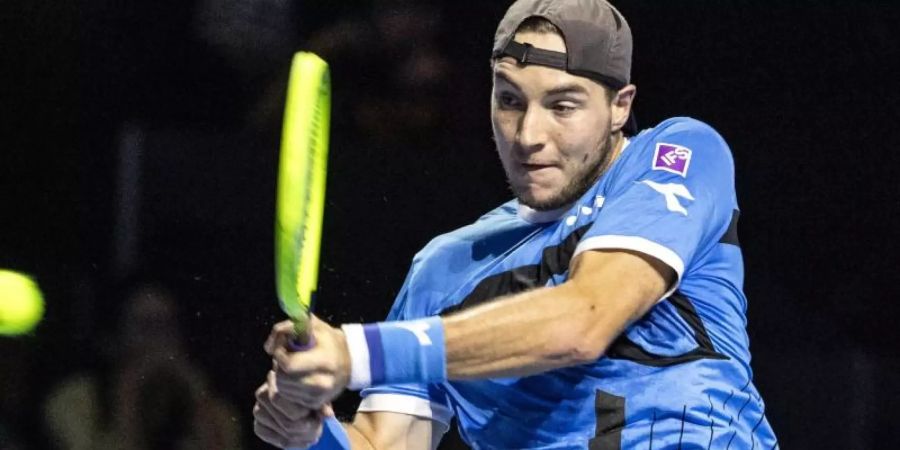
{"x":618,"y":145}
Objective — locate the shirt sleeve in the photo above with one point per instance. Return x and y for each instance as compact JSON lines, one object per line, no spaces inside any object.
{"x":672,"y":199}
{"x":425,"y":401}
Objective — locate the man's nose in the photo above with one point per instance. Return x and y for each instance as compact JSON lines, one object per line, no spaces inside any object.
{"x":532,"y":133}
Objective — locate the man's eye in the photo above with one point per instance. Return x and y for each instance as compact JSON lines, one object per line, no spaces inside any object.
{"x":564,"y":107}
{"x":508,"y":101}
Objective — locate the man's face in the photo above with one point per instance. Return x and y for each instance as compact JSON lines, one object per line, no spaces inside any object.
{"x":553,"y":129}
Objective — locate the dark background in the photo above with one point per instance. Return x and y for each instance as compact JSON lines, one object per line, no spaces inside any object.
{"x":804,"y":92}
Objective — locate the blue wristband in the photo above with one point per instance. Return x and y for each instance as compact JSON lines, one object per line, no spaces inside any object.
{"x":410,"y":351}
{"x":334,"y":437}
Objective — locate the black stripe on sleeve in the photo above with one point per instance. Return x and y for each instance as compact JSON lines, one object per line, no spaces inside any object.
{"x":624,"y":348}
{"x":554,"y":261}
{"x":731,"y":235}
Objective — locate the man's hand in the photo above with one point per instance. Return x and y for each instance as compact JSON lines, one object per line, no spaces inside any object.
{"x":282,"y":422}
{"x":314,"y":377}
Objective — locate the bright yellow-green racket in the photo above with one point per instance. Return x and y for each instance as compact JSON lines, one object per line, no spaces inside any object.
{"x":301,"y":189}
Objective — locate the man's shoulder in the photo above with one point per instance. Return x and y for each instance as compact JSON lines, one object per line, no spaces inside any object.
{"x":491,"y":223}
{"x":682,"y":131}
{"x":679,"y":139}
{"x":451,"y":258}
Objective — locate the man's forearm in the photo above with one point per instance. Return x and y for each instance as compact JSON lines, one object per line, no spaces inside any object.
{"x":529,"y":333}
{"x":549,"y":328}
{"x":522,"y":334}
{"x":338,"y":435}
{"x":358,"y":440}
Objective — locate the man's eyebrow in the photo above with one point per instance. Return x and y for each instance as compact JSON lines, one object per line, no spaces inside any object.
{"x":505,"y":78}
{"x":567,"y":88}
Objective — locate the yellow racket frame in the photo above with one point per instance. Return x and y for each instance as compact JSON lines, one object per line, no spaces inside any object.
{"x":300,"y":202}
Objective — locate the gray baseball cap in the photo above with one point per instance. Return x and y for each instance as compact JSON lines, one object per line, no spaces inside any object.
{"x":598,"y":39}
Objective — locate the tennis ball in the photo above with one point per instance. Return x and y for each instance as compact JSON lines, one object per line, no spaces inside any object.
{"x":21,"y":303}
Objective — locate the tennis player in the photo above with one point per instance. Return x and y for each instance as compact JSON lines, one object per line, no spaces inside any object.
{"x":602,"y":308}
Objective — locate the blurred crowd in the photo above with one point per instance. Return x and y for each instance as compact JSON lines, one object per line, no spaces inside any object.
{"x":211,"y":78}
{"x":143,"y":391}
{"x":150,"y":231}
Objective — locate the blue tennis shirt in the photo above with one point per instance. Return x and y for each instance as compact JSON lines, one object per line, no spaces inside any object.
{"x":678,"y":378}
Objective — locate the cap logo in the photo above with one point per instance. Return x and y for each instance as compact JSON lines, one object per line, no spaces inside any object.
{"x":672,"y":158}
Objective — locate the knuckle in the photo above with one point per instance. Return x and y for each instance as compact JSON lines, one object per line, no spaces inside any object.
{"x":322,"y":384}
{"x":296,"y":413}
{"x":262,"y":394}
{"x":267,"y":435}
{"x":285,"y":326}
{"x":282,"y":378}
{"x":307,"y":426}
{"x":303,"y":440}
{"x":286,"y":364}
{"x":263,"y":418}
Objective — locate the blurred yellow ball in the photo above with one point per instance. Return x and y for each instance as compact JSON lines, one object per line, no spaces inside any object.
{"x":21,"y":303}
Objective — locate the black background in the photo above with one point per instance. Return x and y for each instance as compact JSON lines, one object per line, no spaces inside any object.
{"x":804,"y":92}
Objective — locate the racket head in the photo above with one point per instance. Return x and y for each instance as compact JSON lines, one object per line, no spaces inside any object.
{"x":300,"y":201}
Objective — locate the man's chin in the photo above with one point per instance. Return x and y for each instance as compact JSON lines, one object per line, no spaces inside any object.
{"x":542,"y":200}
{"x":542,"y":203}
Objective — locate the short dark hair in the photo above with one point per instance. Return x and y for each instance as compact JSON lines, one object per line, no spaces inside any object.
{"x":540,"y":25}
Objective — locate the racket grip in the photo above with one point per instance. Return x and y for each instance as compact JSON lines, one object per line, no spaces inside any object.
{"x":301,"y":343}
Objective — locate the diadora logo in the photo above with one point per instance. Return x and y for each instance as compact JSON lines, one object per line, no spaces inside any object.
{"x":671,"y":192}
{"x":672,"y":158}
{"x":418,"y":329}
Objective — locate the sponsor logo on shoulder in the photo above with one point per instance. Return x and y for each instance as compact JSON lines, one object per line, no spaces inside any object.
{"x":672,"y":158}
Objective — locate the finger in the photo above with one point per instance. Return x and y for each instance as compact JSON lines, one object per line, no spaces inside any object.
{"x":299,"y":429}
{"x":317,"y":359}
{"x":317,"y":323}
{"x":276,"y":438}
{"x":268,"y":414}
{"x":262,"y":413}
{"x":295,"y":363}
{"x":310,"y":391}
{"x":300,"y":384}
{"x":301,"y":432}
{"x":300,"y":444}
{"x":327,"y":410}
{"x":307,"y":400}
{"x":282,"y":415}
{"x":269,"y":434}
{"x":291,"y":407}
{"x":264,"y":393}
{"x":296,"y":394}
{"x":281,"y":332}
{"x":309,"y":437}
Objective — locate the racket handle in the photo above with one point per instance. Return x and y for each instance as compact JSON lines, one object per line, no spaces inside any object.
{"x":301,"y":343}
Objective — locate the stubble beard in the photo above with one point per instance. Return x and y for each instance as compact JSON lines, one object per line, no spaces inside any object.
{"x":577,"y":186}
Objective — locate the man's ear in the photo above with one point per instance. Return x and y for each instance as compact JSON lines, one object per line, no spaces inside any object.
{"x":621,"y":106}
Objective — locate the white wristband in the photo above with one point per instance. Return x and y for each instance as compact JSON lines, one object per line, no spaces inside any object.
{"x":360,"y":373}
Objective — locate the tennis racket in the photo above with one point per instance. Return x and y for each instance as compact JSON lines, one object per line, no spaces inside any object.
{"x":300,"y":200}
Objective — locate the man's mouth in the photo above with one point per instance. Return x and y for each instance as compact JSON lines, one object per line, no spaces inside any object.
{"x":535,"y":166}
